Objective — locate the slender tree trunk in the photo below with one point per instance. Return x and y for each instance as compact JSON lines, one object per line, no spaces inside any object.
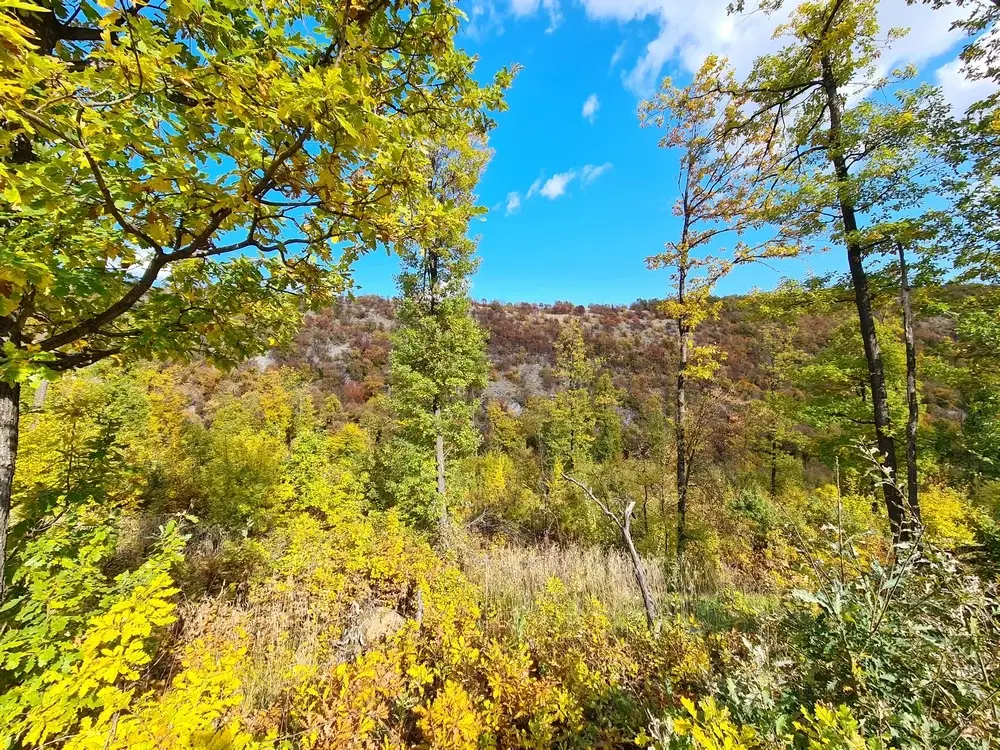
{"x":862,"y":297}
{"x":640,"y":574}
{"x":774,"y":467}
{"x":663,"y":516}
{"x":624,"y":525}
{"x":439,"y":460}
{"x":645,"y":508}
{"x":39,"y":401}
{"x":912,"y":497}
{"x":680,"y":417}
{"x":10,"y":403}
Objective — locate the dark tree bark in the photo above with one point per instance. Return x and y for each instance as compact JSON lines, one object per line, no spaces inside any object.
{"x":913,"y":413}
{"x":645,"y":508}
{"x":10,"y":396}
{"x":680,"y":417}
{"x":862,"y":297}
{"x":774,"y":467}
{"x":439,"y":460}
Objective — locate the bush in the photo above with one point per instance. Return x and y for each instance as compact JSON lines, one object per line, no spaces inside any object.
{"x":910,"y":649}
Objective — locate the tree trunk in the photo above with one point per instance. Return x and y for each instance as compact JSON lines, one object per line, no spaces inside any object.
{"x":774,"y":467}
{"x":680,"y":416}
{"x":862,"y":297}
{"x":439,"y":460}
{"x":663,"y":515}
{"x":38,"y":403}
{"x":10,"y":396}
{"x":624,"y":525}
{"x":912,"y":497}
{"x":645,"y":508}
{"x":640,"y":574}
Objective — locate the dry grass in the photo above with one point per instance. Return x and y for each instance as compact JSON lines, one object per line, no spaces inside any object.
{"x":287,"y":635}
{"x":512,"y":577}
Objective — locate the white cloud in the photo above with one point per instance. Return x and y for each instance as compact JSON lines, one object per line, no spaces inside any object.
{"x":591,"y":172}
{"x":513,"y":203}
{"x":590,"y":107}
{"x":959,"y":91}
{"x":619,"y":53}
{"x":556,"y":185}
{"x":524,"y":7}
{"x":690,"y":31}
{"x":484,"y":19}
{"x":530,"y":7}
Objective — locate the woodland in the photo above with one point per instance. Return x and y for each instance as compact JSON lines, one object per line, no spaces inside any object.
{"x":242,"y":507}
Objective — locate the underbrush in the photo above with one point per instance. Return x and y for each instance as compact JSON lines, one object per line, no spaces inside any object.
{"x":350,"y":631}
{"x":273,"y":605}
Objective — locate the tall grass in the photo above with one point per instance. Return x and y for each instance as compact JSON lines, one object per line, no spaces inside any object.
{"x":287,"y":636}
{"x":512,"y":577}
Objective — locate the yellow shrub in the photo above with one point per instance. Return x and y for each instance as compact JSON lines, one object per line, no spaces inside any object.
{"x":947,"y":516}
{"x":353,"y":708}
{"x":451,"y":721}
{"x":521,"y":709}
{"x":829,"y":728}
{"x":198,"y":712}
{"x":710,"y":727}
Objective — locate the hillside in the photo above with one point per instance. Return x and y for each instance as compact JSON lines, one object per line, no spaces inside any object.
{"x":346,"y":347}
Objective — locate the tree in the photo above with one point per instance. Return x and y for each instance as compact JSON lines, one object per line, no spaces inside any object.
{"x":647,"y":442}
{"x":176,"y":178}
{"x":570,"y":422}
{"x":719,"y":181}
{"x":608,"y":444}
{"x":837,"y":390}
{"x":772,"y":415}
{"x":438,"y":350}
{"x":846,"y":167}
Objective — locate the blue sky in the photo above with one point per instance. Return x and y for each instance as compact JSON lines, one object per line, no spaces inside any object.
{"x":579,"y":195}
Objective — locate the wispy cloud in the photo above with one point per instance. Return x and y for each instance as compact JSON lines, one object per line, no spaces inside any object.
{"x":555,"y":186}
{"x":513,"y":203}
{"x":592,"y":172}
{"x":535,"y":187}
{"x":484,"y":20}
{"x":590,"y":107}
{"x":528,"y":7}
{"x":618,"y":55}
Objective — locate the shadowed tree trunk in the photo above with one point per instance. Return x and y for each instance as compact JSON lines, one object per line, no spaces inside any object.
{"x":912,"y":489}
{"x":645,"y":508}
{"x":439,"y":460}
{"x":680,"y":417}
{"x":774,"y":467}
{"x":862,"y":297}
{"x":9,"y":413}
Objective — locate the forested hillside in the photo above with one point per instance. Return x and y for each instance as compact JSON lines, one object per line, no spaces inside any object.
{"x":242,"y":508}
{"x":346,"y":349}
